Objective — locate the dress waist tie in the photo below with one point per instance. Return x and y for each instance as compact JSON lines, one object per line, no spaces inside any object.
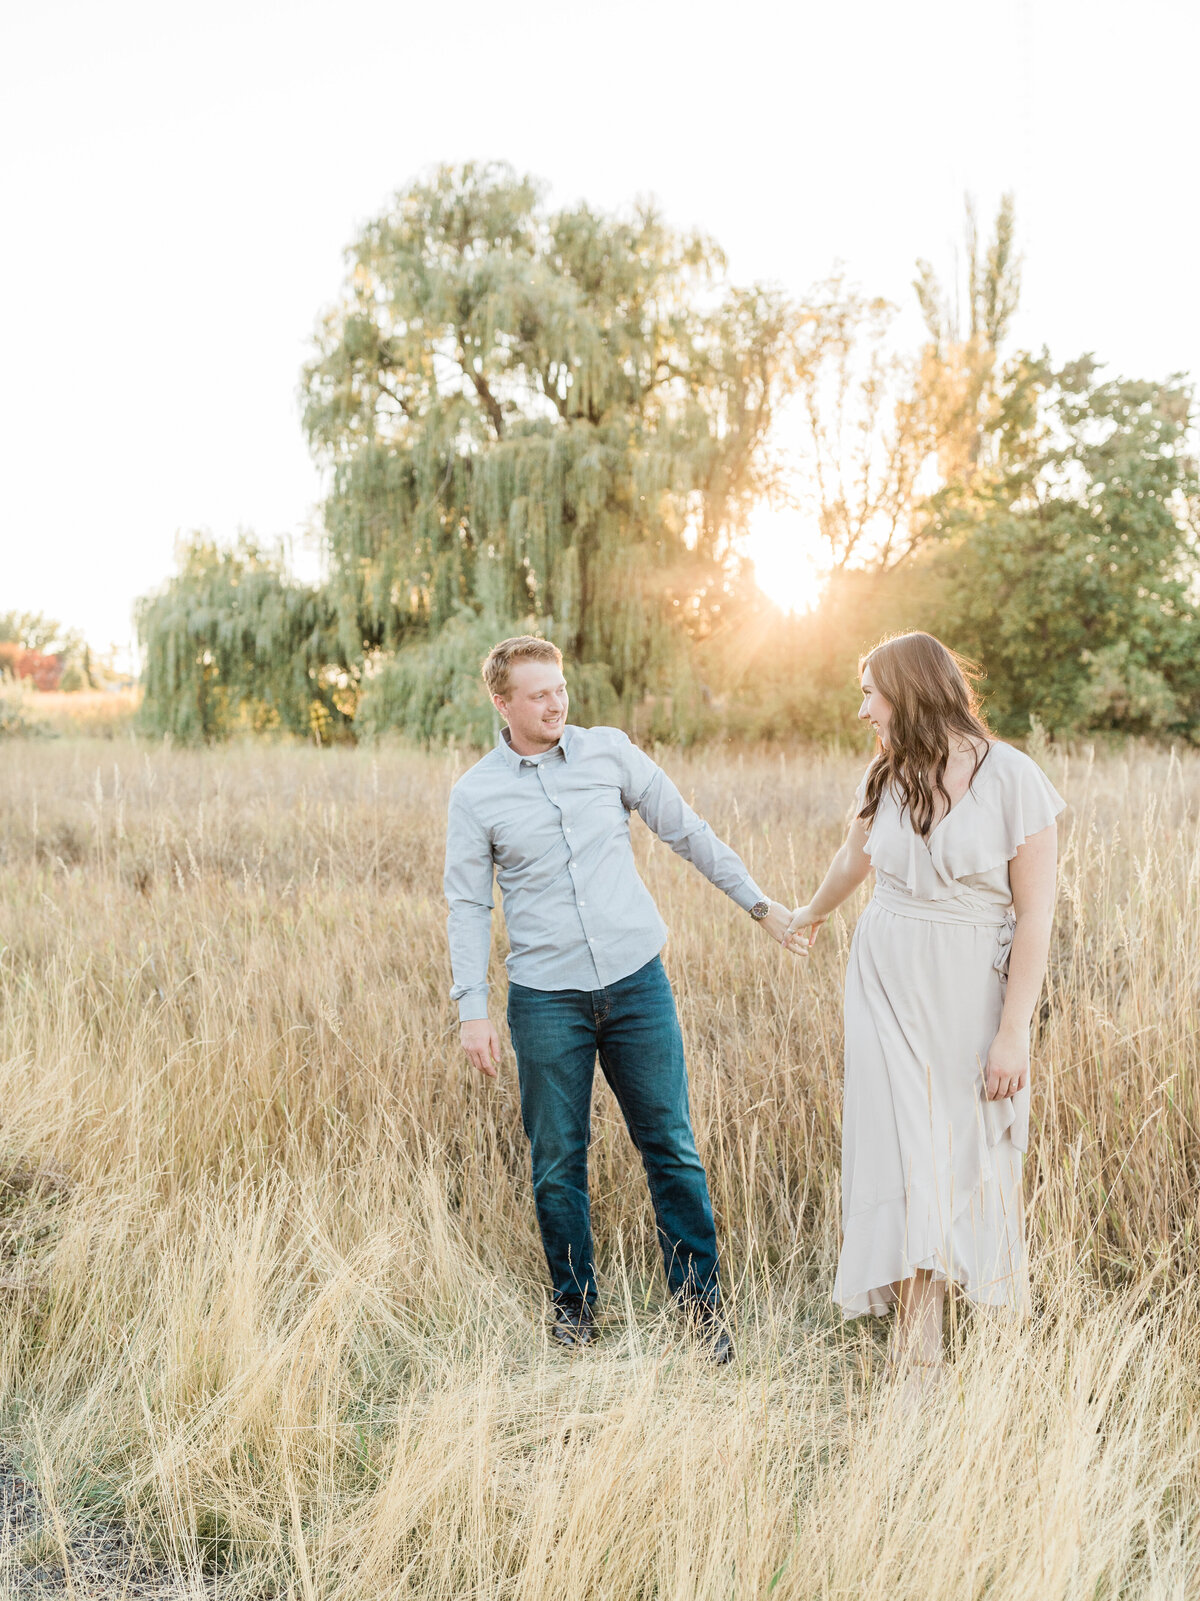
{"x":980,"y":915}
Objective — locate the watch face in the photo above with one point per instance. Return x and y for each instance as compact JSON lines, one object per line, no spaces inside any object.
{"x":759,"y":910}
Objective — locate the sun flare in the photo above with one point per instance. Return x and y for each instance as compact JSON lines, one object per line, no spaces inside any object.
{"x":787,"y":560}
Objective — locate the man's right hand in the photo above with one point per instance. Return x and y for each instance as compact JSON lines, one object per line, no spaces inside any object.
{"x":482,"y":1044}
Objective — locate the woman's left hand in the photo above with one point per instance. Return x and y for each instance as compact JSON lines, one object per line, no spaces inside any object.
{"x":802,"y":931}
{"x":1007,"y":1066}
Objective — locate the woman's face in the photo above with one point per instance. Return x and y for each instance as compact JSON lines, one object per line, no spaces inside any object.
{"x":874,"y":709}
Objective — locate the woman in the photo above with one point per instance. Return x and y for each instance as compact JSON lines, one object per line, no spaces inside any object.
{"x":945,"y":970}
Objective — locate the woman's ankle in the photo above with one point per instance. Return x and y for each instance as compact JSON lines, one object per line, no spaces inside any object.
{"x":912,"y":1351}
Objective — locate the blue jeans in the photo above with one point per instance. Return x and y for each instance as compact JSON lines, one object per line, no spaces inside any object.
{"x":634,"y":1027}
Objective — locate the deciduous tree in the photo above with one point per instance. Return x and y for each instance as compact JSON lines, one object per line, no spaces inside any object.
{"x":231,"y":641}
{"x":534,"y":415}
{"x":1072,"y":573}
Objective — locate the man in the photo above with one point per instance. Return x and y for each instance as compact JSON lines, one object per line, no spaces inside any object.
{"x":548,"y":812}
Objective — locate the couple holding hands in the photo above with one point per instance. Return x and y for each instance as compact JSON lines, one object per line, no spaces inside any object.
{"x":945,"y":969}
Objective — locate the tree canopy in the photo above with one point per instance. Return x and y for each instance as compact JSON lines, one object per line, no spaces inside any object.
{"x":231,"y":641}
{"x":1072,"y":575}
{"x":559,"y":420}
{"x":556,"y":416}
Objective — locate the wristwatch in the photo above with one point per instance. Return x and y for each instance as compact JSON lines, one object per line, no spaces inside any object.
{"x":759,"y":910}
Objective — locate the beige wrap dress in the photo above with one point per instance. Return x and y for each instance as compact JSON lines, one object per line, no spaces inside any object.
{"x":931,"y":1169}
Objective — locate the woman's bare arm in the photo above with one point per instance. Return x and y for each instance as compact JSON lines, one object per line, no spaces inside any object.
{"x":846,"y":872}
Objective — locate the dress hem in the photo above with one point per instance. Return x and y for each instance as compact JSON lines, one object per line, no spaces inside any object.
{"x":880,"y":1301}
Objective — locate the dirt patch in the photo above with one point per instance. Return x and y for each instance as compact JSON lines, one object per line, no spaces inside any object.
{"x":40,"y":1559}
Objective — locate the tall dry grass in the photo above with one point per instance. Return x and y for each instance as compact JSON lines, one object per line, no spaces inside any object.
{"x":271,"y":1280}
{"x":93,"y":713}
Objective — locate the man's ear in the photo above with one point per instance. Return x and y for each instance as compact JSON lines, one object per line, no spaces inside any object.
{"x":501,"y":706}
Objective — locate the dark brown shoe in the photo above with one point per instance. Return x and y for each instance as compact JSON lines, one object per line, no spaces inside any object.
{"x":707,"y":1328}
{"x":573,"y":1326}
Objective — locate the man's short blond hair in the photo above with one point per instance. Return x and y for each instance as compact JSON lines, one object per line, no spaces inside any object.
{"x":497,"y":668}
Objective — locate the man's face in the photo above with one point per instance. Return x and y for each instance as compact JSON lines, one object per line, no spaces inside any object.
{"x":535,"y":707}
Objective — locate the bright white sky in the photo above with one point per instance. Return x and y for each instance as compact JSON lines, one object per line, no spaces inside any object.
{"x":178,"y":185}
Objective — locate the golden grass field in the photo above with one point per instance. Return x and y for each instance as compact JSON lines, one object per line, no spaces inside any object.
{"x":271,"y":1283}
{"x":97,"y":714}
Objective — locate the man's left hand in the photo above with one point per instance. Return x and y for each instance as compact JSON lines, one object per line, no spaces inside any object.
{"x":776,"y":924}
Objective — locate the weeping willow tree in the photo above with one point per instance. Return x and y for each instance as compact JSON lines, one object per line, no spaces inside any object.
{"x":232,"y":642}
{"x":535,"y":418}
{"x":531,"y":419}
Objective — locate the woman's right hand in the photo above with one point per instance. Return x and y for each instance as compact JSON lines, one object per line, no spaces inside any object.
{"x":802,"y":929}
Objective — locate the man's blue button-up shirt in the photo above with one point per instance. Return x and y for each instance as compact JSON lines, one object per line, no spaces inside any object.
{"x":554,"y":829}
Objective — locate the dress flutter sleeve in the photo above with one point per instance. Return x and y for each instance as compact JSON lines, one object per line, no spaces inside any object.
{"x":1030,"y":802}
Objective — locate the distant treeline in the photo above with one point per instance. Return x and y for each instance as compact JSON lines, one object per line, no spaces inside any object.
{"x":36,"y":650}
{"x":559,"y":422}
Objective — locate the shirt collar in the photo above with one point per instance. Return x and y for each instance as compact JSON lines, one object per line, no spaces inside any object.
{"x":516,"y":761}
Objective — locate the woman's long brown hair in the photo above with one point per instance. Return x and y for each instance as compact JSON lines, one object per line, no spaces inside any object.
{"x":931,"y":691}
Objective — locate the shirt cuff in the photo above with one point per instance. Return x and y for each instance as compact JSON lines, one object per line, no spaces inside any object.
{"x":473,"y":1007}
{"x":747,"y":894}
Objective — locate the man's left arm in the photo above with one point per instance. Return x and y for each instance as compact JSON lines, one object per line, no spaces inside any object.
{"x":646,"y":789}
